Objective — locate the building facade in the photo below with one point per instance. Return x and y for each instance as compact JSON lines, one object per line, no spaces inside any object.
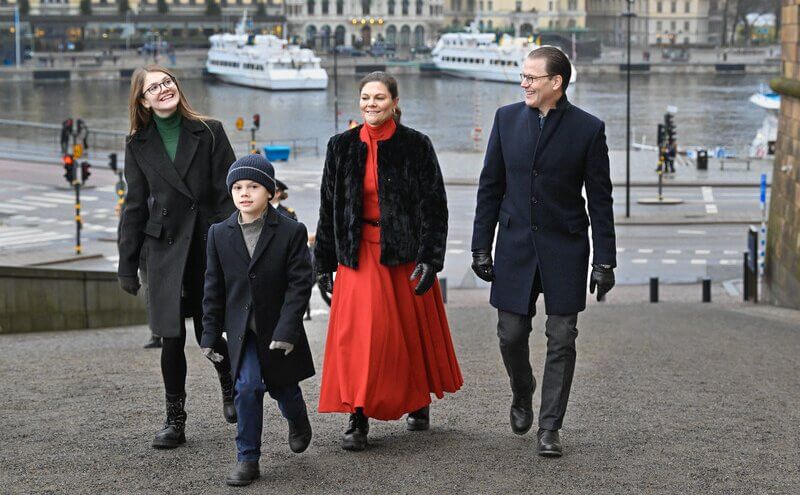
{"x":362,"y":23}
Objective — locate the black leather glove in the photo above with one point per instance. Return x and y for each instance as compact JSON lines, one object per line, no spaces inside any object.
{"x":482,"y":264}
{"x":603,"y":278}
{"x":426,"y":275}
{"x":129,"y":284}
{"x":325,"y":282}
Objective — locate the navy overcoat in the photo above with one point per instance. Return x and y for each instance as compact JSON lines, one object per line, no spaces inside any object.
{"x":275,"y":283}
{"x":531,"y":185}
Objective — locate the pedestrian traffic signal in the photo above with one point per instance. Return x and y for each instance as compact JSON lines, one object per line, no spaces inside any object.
{"x":239,"y":123}
{"x":669,"y":124}
{"x":85,"y":171}
{"x":256,"y":121}
{"x":112,"y":162}
{"x":69,"y":168}
{"x":662,"y":136}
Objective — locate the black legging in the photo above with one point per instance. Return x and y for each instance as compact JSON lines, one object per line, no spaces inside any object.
{"x":173,"y":358}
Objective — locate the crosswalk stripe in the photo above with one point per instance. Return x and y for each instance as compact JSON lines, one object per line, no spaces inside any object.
{"x":70,"y":197}
{"x":16,"y":207}
{"x":27,"y":203}
{"x":59,"y":201}
{"x":37,"y":239}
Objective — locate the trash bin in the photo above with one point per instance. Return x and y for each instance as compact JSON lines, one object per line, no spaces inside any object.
{"x":702,"y":159}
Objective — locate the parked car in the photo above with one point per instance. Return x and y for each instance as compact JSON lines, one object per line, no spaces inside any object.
{"x":349,"y":50}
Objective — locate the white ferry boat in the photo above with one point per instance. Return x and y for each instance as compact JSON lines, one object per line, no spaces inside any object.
{"x":263,"y":61}
{"x":477,"y":55}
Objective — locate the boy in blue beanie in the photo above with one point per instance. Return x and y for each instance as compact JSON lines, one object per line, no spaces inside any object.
{"x":258,"y":281}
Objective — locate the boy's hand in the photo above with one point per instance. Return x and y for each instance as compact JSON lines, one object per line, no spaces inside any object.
{"x":211,"y":355}
{"x":277,"y":344}
{"x":325,"y":282}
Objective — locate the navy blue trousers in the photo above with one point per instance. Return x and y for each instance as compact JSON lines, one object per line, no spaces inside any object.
{"x":249,"y":402}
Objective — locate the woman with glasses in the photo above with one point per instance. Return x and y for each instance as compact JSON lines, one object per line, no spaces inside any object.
{"x":176,"y":161}
{"x":383,"y":230}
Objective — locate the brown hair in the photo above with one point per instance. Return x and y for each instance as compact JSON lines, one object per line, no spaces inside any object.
{"x":390,"y":83}
{"x":556,"y":63}
{"x":139,"y":115}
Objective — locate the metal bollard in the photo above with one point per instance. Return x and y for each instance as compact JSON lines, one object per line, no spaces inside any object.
{"x":706,"y":290}
{"x":443,"y":285}
{"x":653,"y":289}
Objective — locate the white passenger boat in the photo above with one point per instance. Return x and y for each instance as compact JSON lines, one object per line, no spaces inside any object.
{"x":263,"y":61}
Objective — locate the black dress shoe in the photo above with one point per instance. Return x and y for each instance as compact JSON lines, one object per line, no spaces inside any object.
{"x":521,"y":414}
{"x":153,"y":343}
{"x":355,"y":438}
{"x":549,"y":443}
{"x":299,"y":433}
{"x":419,"y":420}
{"x":243,"y":473}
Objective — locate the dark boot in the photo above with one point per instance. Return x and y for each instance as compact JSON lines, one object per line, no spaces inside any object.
{"x":355,"y":438}
{"x":549,"y":443}
{"x":299,"y":433}
{"x":521,"y":414}
{"x":228,"y":408}
{"x":154,"y":342}
{"x":419,"y":420}
{"x":172,"y":434}
{"x":243,"y":473}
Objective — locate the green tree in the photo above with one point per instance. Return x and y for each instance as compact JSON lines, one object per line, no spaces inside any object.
{"x":212,"y":8}
{"x":86,"y":7}
{"x":123,"y":6}
{"x":162,"y":6}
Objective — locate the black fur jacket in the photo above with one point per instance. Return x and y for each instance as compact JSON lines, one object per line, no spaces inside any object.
{"x":410,"y":192}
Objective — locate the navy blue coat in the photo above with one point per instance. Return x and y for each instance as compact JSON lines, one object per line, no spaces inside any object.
{"x":275,"y":283}
{"x":531,"y":185}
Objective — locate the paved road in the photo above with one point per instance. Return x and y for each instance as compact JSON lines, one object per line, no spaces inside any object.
{"x":670,"y":398}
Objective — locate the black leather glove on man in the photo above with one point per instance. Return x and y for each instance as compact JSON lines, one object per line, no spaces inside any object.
{"x":325,"y":282}
{"x":129,"y":285}
{"x":603,"y":278}
{"x":426,"y":275}
{"x":482,"y":264}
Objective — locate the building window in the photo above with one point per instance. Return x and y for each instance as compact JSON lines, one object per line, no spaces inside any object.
{"x":659,"y":7}
{"x":365,"y":4}
{"x":390,"y":6}
{"x":550,"y":8}
{"x":673,"y":7}
{"x":310,"y":6}
{"x":518,"y":6}
{"x":659,"y":26}
{"x":573,"y":5}
{"x":339,"y":7}
{"x":686,"y":26}
{"x":325,"y":4}
{"x":673,"y":26}
{"x":405,"y":7}
{"x":480,"y":5}
{"x":419,"y":7}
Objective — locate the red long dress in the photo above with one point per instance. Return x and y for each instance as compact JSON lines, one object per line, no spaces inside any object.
{"x":387,"y":349}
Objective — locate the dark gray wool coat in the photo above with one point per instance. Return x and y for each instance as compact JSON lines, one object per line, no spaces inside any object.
{"x":410,"y":192}
{"x":168,"y":209}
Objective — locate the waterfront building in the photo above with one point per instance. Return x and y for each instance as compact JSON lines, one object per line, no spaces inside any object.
{"x":361,"y":23}
{"x":519,"y":17}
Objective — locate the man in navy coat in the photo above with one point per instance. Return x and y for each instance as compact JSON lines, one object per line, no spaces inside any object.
{"x":541,"y":153}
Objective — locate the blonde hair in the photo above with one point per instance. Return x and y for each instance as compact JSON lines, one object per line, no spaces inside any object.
{"x":140,"y":116}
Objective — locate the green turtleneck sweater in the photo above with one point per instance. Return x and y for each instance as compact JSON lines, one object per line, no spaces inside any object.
{"x":169,"y":129}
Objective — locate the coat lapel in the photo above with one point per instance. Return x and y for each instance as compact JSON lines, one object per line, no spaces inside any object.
{"x":236,"y":238}
{"x":551,"y":122}
{"x":267,"y":233}
{"x":187,"y":145}
{"x":531,"y":145}
{"x":150,"y":148}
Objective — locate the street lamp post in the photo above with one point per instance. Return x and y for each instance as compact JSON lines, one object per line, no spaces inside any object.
{"x":16,"y":36}
{"x":628,"y":15}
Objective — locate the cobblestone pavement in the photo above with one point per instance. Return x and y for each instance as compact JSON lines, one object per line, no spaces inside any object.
{"x":669,"y":398}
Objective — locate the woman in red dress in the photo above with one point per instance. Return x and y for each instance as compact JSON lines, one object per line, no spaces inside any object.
{"x":383,"y":229}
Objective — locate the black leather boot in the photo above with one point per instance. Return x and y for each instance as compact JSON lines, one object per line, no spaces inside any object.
{"x":243,"y":473}
{"x":299,"y":433}
{"x":154,"y":342}
{"x":521,"y":414}
{"x":355,"y":438}
{"x":419,"y":420}
{"x":549,"y":443}
{"x":172,"y":434}
{"x":228,"y":408}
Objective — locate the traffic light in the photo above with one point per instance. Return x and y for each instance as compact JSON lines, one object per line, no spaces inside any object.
{"x":112,"y":162}
{"x":662,"y":136}
{"x":66,"y":132}
{"x":256,"y":121}
{"x":669,"y":124}
{"x":85,"y":172}
{"x":69,"y":168}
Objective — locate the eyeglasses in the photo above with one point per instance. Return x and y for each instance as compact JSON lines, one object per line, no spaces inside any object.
{"x":525,"y":78}
{"x":155,"y":88}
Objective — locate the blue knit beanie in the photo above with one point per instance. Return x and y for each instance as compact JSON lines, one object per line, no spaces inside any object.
{"x":252,"y":167}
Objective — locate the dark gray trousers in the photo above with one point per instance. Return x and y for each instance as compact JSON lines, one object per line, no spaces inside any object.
{"x":514,"y":330}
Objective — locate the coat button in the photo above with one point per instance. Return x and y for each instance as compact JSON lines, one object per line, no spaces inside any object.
{"x":194,"y":206}
{"x":535,"y":228}
{"x":170,"y":240}
{"x":164,"y":212}
{"x":533,"y":201}
{"x":205,"y":237}
{"x":240,"y":338}
{"x":252,"y":275}
{"x":247,"y":307}
{"x":535,"y":173}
